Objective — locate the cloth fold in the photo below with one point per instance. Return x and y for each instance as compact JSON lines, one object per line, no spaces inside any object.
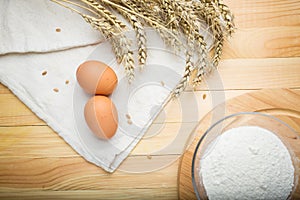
{"x":61,"y":105}
{"x":42,"y":26}
{"x":38,"y":64}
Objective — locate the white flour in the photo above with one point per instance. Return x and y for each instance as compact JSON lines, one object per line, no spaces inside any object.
{"x":247,"y":163}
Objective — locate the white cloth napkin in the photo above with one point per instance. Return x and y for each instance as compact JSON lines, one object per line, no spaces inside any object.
{"x":41,"y":26}
{"x":60,"y":104}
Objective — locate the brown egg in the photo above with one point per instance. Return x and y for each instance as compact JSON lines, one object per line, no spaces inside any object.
{"x":101,"y":116}
{"x":96,"y":78}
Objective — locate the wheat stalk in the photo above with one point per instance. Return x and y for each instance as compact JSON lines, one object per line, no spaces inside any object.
{"x":192,"y":32}
{"x":226,"y":14}
{"x":218,"y":51}
{"x":103,"y":26}
{"x":178,"y":22}
{"x":168,"y":8}
{"x":120,"y":43}
{"x":103,"y":12}
{"x":107,"y":26}
{"x":189,"y":67}
{"x":141,"y":39}
{"x":146,"y":9}
{"x":140,"y":36}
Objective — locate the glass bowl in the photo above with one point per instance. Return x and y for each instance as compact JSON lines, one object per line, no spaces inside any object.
{"x":285,"y":133}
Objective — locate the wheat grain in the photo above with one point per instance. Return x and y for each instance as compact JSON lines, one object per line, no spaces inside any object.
{"x":195,"y":40}
{"x":177,"y":21}
{"x":211,"y":15}
{"x":218,"y":51}
{"x":120,"y":45}
{"x":141,"y":40}
{"x":140,"y":36}
{"x":100,"y":24}
{"x":202,"y":63}
{"x":102,"y":11}
{"x":227,"y":15}
{"x":170,"y":15}
{"x":189,"y":67}
{"x":129,"y":65}
{"x":199,"y":77}
{"x":145,"y":8}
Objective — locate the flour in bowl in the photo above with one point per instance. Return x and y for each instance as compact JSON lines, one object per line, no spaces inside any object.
{"x":247,"y":162}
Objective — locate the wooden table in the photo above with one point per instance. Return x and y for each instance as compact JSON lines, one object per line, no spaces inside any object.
{"x":36,"y":163}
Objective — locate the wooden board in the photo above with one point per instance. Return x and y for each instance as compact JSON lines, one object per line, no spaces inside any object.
{"x":282,"y":103}
{"x":35,"y":163}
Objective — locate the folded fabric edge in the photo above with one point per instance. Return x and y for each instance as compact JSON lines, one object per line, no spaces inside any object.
{"x":53,"y":50}
{"x":14,"y":88}
{"x":120,"y":157}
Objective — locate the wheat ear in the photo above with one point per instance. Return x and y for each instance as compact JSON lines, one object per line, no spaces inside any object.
{"x":120,"y":44}
{"x":190,"y":24}
{"x":218,"y":51}
{"x":189,"y":67}
{"x":170,"y":15}
{"x":227,"y":16}
{"x":172,"y":19}
{"x":103,"y":12}
{"x":146,"y":9}
{"x":209,"y":12}
{"x":141,"y":40}
{"x":140,"y":36}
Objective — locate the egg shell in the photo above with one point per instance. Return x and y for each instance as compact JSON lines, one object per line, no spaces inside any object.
{"x":101,"y":116}
{"x":96,"y":77}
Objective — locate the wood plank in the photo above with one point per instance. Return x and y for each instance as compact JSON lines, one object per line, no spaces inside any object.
{"x":113,"y":193}
{"x":267,"y":13}
{"x":15,"y":113}
{"x":13,"y":110}
{"x":33,"y":142}
{"x":165,"y":135}
{"x":239,"y":74}
{"x":36,"y":163}
{"x":43,"y":142}
{"x":272,"y":73}
{"x":278,"y":102}
{"x":22,"y":116}
{"x":266,"y":42}
{"x":182,"y":109}
{"x":72,"y":172}
{"x":64,"y":174}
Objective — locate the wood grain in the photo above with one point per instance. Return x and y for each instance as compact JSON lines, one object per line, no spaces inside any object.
{"x":256,"y":74}
{"x":75,"y":174}
{"x":284,"y":104}
{"x":267,"y":13}
{"x":51,"y":176}
{"x":265,"y":29}
{"x":283,"y":72}
{"x":133,"y":193}
{"x":35,"y":163}
{"x":35,"y":141}
{"x":265,"y":42}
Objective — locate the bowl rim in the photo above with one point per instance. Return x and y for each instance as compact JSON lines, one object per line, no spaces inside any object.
{"x":215,"y":124}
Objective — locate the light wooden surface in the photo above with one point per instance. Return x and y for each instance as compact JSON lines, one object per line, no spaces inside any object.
{"x":35,"y":163}
{"x":280,"y":103}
